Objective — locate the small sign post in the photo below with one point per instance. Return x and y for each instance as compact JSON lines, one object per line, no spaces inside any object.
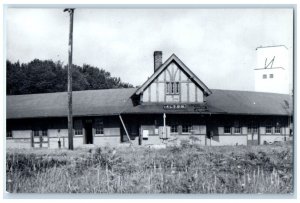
{"x":164,"y":133}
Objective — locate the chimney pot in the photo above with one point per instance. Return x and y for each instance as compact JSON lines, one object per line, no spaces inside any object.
{"x":157,"y":60}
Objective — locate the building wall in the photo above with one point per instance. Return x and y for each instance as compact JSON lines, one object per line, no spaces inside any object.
{"x":220,"y":137}
{"x":266,"y":139}
{"x":21,"y":134}
{"x":22,"y":130}
{"x":112,"y":141}
{"x":207,"y":129}
{"x":18,"y":143}
{"x":157,"y":91}
{"x":227,"y":140}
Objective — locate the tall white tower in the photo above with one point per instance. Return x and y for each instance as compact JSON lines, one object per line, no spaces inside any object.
{"x":271,"y":73}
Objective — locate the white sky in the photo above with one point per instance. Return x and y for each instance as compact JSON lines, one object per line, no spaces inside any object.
{"x":218,"y":45}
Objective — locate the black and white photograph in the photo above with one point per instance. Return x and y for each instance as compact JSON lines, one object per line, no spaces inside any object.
{"x":149,"y":100}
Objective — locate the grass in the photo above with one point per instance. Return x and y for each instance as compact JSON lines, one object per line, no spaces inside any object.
{"x":184,"y":169}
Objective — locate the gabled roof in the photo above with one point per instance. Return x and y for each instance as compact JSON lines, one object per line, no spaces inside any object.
{"x":85,"y":103}
{"x":229,"y":102}
{"x":190,"y":74}
{"x":116,"y":101}
{"x":249,"y":102}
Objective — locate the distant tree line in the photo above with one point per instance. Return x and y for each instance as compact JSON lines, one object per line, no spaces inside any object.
{"x":44,"y":76}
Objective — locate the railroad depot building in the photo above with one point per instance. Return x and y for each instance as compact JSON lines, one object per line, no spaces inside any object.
{"x":172,"y":105}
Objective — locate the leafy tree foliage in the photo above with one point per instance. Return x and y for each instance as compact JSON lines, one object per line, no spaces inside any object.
{"x":47,"y":76}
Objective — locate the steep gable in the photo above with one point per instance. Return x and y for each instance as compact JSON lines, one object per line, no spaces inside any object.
{"x":173,"y":82}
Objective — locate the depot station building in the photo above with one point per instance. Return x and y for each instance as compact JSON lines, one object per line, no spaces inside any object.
{"x":171,"y":106}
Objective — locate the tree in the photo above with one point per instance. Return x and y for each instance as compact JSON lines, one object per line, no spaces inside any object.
{"x":44,"y":76}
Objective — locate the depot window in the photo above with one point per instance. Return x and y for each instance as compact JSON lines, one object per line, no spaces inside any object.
{"x":78,"y":127}
{"x":237,"y":127}
{"x":174,"y":129}
{"x":9,"y":134}
{"x":186,"y":128}
{"x":99,"y":126}
{"x":252,"y":128}
{"x":227,"y":129}
{"x":277,"y":128}
{"x":269,"y":128}
{"x":44,"y":132}
{"x":36,"y":133}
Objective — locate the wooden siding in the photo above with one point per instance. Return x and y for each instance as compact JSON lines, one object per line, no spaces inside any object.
{"x":188,"y":91}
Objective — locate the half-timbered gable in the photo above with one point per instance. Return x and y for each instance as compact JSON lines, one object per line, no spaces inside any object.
{"x":173,"y":82}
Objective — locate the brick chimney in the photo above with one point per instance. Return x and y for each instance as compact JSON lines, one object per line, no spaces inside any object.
{"x":157,"y":59}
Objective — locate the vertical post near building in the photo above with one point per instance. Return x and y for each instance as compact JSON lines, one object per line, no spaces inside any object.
{"x":70,"y":51}
{"x":165,"y":132}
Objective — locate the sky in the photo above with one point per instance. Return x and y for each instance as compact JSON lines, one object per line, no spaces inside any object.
{"x":218,"y":45}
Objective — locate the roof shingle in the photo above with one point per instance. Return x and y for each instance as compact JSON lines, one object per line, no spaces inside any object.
{"x":116,"y":101}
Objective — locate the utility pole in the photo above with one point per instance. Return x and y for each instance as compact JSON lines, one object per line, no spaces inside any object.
{"x":70,"y":51}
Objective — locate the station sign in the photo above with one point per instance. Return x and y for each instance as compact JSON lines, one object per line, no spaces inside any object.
{"x":189,"y":107}
{"x":174,"y":106}
{"x":199,"y":107}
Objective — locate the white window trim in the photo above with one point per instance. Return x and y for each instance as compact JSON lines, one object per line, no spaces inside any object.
{"x":269,"y":132}
{"x":276,"y":132}
{"x":237,"y":133}
{"x":99,"y":134}
{"x":170,"y":86}
{"x":186,"y":133}
{"x":227,"y":132}
{"x":78,"y":134}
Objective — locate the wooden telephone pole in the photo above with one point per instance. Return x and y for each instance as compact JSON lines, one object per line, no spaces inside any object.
{"x":70,"y":50}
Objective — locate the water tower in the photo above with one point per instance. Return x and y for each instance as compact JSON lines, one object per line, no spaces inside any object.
{"x":271,"y":72}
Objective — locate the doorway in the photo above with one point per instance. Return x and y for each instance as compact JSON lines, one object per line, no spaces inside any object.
{"x":88,"y":126}
{"x":253,"y":136}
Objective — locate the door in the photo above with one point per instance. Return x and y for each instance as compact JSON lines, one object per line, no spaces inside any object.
{"x":39,"y":139}
{"x":252,"y":137}
{"x":88,"y":132}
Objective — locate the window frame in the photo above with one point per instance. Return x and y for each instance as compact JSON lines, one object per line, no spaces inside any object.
{"x":9,"y":134}
{"x":177,"y":87}
{"x":189,"y":128}
{"x":36,"y":133}
{"x":227,"y":127}
{"x":269,"y":127}
{"x":44,"y":131}
{"x":237,"y":130}
{"x":277,"y":126}
{"x":101,"y":129}
{"x":174,"y":126}
{"x":77,"y":130}
{"x":172,"y":88}
{"x":271,"y":75}
{"x":167,"y":87}
{"x":253,"y":128}
{"x":265,"y":76}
